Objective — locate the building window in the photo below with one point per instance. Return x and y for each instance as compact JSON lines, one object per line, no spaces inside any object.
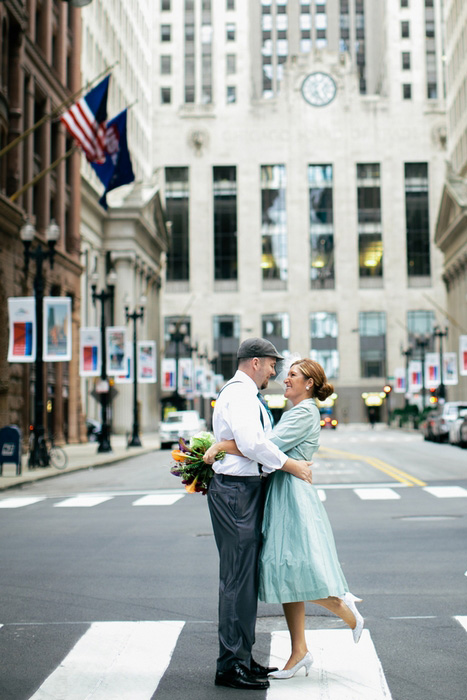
{"x":166,"y":65}
{"x":206,"y":53}
{"x":166,"y":95}
{"x":417,"y":219}
{"x":166,"y":32}
{"x":165,"y":5}
{"x":226,"y":344}
{"x":189,"y":52}
{"x":225,"y":222}
{"x":230,"y":31}
{"x":177,"y":198}
{"x":320,"y":192}
{"x":406,"y":60}
{"x":372,"y":330}
{"x":407,"y":91}
{"x":404,"y":3}
{"x":231,"y":64}
{"x":276,"y":329}
{"x":231,"y":94}
{"x":230,"y":5}
{"x":405,"y":30}
{"x":324,"y":332}
{"x":430,"y":49}
{"x":370,"y":243}
{"x":273,"y":222}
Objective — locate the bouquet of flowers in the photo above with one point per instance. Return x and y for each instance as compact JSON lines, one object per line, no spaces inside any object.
{"x":194,"y":472}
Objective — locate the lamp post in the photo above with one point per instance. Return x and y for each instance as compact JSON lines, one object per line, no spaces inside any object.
{"x":104,"y":392}
{"x":178,"y":334}
{"x":422,"y":342}
{"x":38,"y":457}
{"x":438,"y":333}
{"x":408,"y":354}
{"x":135,"y":439}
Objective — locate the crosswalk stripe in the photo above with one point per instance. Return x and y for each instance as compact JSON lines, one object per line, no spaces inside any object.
{"x":341,"y":670}
{"x":124,"y":660}
{"x":462,"y":620}
{"x":158,"y":500}
{"x":322,"y":495}
{"x":447,"y":491}
{"x":84,"y":501}
{"x":20,"y":501}
{"x":377,"y":494}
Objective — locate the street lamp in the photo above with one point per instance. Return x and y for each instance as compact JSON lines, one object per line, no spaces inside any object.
{"x":408,"y":354}
{"x":104,"y":388}
{"x":438,"y":333}
{"x":135,"y":440}
{"x":422,"y":342}
{"x":38,"y":456}
{"x":179,"y":335}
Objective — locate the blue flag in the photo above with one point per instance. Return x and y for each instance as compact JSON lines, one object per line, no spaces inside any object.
{"x":117,"y":169}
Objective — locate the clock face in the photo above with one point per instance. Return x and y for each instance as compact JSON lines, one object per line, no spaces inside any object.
{"x":319,"y":89}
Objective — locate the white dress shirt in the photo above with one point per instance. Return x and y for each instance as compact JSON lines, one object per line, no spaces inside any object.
{"x":237,"y":416}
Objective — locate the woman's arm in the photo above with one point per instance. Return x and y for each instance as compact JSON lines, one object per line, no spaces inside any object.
{"x":229,"y":446}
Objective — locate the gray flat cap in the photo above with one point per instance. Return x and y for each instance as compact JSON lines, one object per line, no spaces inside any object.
{"x":257,"y":347}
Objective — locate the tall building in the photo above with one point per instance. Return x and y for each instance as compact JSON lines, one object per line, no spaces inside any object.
{"x":303,"y":145}
{"x":451,"y":232}
{"x":122,"y":247}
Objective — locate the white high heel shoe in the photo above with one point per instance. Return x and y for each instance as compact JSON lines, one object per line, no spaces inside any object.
{"x":350,"y":599}
{"x":306,"y":662}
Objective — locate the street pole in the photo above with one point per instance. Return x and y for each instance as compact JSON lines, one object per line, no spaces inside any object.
{"x":422,"y":343}
{"x":408,"y":354}
{"x":178,"y":334}
{"x":104,"y":436}
{"x":438,"y":333}
{"x":135,"y":439}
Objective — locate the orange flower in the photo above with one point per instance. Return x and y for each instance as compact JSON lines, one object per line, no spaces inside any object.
{"x":191,"y":488}
{"x":178,"y":455}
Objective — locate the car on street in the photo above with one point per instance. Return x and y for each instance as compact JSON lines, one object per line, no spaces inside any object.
{"x":180,"y":424}
{"x":455,"y":436}
{"x":328,"y":422}
{"x":440,"y":421}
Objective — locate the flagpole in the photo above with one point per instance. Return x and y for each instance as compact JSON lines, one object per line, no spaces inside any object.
{"x":54,"y":113}
{"x":40,"y":175}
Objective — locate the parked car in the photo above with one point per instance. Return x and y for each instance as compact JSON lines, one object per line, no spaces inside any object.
{"x":463,"y":433}
{"x":455,"y":437}
{"x":180,"y":424}
{"x":426,"y":426}
{"x":444,"y":417}
{"x":329,"y":422}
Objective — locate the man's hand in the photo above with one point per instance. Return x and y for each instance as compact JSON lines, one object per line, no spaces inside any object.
{"x":299,"y":468}
{"x":210,"y":455}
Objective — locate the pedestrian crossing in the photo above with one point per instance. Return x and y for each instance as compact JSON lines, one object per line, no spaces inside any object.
{"x":364,"y":492}
{"x":127,"y":660}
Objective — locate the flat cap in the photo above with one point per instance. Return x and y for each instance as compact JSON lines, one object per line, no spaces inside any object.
{"x":257,"y":347}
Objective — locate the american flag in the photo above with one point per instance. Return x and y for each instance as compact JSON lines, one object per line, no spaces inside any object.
{"x":86,"y":121}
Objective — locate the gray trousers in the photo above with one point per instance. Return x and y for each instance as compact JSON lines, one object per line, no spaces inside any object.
{"x":236,"y":507}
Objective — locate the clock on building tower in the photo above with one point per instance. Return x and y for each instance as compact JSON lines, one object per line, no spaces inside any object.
{"x":319,"y":89}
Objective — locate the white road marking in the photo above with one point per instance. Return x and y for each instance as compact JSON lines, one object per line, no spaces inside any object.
{"x":158,"y":500}
{"x":84,"y":501}
{"x":341,"y":669}
{"x":446,"y":491}
{"x":462,"y":619}
{"x":321,"y":494}
{"x":124,"y":660}
{"x":376,"y":494}
{"x":20,"y":502}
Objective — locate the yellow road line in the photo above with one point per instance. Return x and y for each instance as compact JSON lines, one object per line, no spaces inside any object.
{"x":389,"y":469}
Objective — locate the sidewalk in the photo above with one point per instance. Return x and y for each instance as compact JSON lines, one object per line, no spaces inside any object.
{"x":80,"y":456}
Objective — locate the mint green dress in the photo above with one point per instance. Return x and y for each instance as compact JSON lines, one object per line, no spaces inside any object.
{"x":298,"y":560}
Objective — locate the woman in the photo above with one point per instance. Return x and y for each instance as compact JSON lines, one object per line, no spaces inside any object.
{"x":299,"y":561}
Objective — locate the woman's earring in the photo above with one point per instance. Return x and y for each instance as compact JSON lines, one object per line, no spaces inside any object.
{"x":308,"y":388}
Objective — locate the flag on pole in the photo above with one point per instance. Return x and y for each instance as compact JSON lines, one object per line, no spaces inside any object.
{"x":116,"y":170}
{"x":86,"y":121}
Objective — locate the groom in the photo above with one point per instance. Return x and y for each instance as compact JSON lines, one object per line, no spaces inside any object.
{"x":236,"y":500}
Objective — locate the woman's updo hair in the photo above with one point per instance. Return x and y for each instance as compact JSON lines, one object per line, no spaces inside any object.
{"x":312,"y":370}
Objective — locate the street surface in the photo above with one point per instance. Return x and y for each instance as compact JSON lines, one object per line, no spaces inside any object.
{"x":108,"y":580}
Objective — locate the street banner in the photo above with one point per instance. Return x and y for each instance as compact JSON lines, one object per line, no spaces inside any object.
{"x":22,"y":326}
{"x":200,"y":380}
{"x":185,"y":375}
{"x":450,"y":368}
{"x":127,"y":377}
{"x":210,"y":390}
{"x":168,"y":374}
{"x":415,"y":376}
{"x":463,"y":355}
{"x":219,"y":382}
{"x":146,"y":363}
{"x":90,"y":352}
{"x":116,"y":350}
{"x":399,"y":381}
{"x":432,"y":373}
{"x":57,"y":329}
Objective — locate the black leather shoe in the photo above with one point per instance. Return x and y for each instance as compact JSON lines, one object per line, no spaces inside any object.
{"x":261,"y":671}
{"x":239,"y":676}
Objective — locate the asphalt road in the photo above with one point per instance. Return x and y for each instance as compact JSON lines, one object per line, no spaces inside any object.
{"x":116,"y":598}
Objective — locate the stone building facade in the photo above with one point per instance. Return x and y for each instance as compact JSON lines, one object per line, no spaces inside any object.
{"x":303,"y":147}
{"x":40,"y":68}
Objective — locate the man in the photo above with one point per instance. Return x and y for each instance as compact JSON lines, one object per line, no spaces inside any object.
{"x":236,"y":499}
